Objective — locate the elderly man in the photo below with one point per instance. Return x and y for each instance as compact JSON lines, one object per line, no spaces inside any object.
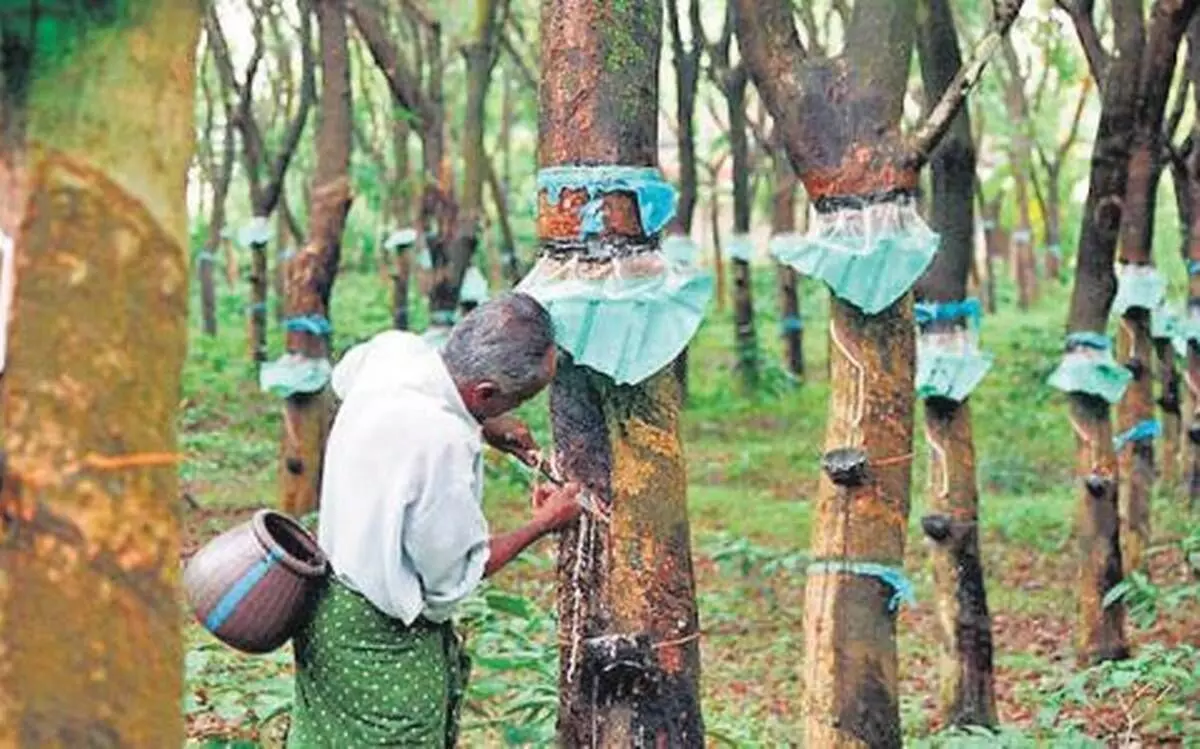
{"x":379,"y":663}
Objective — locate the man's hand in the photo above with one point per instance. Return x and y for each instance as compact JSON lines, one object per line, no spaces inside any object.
{"x":509,"y":434}
{"x":554,"y":508}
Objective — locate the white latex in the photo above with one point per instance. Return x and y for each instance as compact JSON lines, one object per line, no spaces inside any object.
{"x":401,"y":517}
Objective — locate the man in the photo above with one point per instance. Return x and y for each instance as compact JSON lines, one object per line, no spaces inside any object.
{"x":401,"y":522}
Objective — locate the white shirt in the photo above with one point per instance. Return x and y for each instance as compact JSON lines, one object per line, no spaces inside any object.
{"x":401,"y":518}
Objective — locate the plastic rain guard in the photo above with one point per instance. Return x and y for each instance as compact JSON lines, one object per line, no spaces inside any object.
{"x":869,"y":256}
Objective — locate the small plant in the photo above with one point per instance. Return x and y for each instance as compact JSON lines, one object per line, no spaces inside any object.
{"x":1153,"y":693}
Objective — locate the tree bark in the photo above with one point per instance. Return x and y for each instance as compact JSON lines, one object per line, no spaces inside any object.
{"x":96,"y":133}
{"x":630,"y":658}
{"x":312,"y":272}
{"x":967,"y":694}
{"x":402,"y":215}
{"x":783,"y":221}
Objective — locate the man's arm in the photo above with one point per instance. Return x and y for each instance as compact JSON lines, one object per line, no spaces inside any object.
{"x":505,"y":547}
{"x":554,"y":509}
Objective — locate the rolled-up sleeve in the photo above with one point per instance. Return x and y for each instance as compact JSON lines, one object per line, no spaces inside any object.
{"x":446,"y":535}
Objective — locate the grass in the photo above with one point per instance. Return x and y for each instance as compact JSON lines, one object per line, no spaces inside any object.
{"x":753,"y":465}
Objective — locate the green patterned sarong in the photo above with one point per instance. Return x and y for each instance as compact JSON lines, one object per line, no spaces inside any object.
{"x":363,"y":679}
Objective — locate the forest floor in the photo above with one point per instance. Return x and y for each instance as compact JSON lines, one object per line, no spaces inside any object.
{"x":753,"y":462}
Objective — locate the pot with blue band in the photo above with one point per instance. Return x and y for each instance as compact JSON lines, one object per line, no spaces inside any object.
{"x":253,"y":586}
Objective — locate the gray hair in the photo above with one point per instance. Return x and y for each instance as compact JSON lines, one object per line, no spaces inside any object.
{"x":504,"y":341}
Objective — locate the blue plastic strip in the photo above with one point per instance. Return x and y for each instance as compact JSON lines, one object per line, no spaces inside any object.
{"x":791,"y":324}
{"x":259,"y":307}
{"x":233,"y":597}
{"x":656,"y":198}
{"x":1193,"y":267}
{"x":315,"y":324}
{"x":441,"y":317}
{"x":1088,"y":339}
{"x":204,"y":256}
{"x":1140,"y":432}
{"x":928,"y":312}
{"x":894,"y":577}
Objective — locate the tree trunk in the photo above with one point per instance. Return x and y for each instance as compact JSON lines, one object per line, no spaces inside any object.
{"x":480,"y":54}
{"x":216,"y":225}
{"x":1172,"y":420}
{"x":1187,"y":184}
{"x":783,"y":221}
{"x":96,"y":133}
{"x":714,"y":215}
{"x":630,"y":657}
{"x":1157,"y":67}
{"x":284,"y":252}
{"x":1053,"y":227}
{"x":850,"y":666}
{"x":746,"y":340}
{"x":257,"y":317}
{"x":686,"y":62}
{"x":402,"y":215}
{"x":839,"y":120}
{"x":1101,"y":630}
{"x":991,"y":231}
{"x":312,"y":272}
{"x":967,"y":689}
{"x":1024,"y":262}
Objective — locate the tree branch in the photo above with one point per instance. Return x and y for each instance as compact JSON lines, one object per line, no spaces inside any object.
{"x":524,"y":70}
{"x":942,"y":115}
{"x":1065,"y":147}
{"x":1081,"y":13}
{"x":405,"y":86}
{"x":308,"y":94}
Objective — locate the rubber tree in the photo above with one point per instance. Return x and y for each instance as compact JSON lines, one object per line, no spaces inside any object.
{"x":630,"y":658}
{"x":839,"y":119}
{"x":97,"y":130}
{"x":1140,"y":49}
{"x":1169,"y":400}
{"x":685,"y":60}
{"x":310,"y":275}
{"x":1186,"y":173}
{"x":732,"y":79}
{"x":265,"y":172}
{"x":218,"y":171}
{"x":967,"y":690}
{"x":783,"y":222}
{"x":1020,"y":153}
{"x":1135,"y":346}
{"x":1047,"y":188}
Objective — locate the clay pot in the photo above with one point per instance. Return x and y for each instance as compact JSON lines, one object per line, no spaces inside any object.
{"x":254,"y":585}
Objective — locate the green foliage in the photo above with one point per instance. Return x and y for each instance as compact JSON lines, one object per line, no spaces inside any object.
{"x":1158,"y":690}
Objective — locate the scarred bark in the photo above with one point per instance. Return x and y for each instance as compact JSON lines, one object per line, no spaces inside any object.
{"x":967,"y":691}
{"x":311,"y":273}
{"x":630,"y":658}
{"x":96,"y":133}
{"x":839,"y":120}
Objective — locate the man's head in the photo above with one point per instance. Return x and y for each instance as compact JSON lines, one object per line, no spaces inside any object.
{"x":501,"y":354}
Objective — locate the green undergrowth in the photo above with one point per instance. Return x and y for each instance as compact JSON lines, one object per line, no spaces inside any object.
{"x":753,"y":463}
